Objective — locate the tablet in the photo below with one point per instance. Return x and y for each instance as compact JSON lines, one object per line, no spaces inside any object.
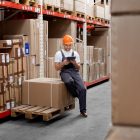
{"x":71,"y":58}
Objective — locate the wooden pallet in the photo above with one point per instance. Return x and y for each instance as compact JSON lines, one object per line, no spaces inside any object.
{"x":26,"y":2}
{"x":68,"y":12}
{"x":90,"y":18}
{"x":52,"y":8}
{"x":31,"y":112}
{"x":98,"y":19}
{"x":102,"y":20}
{"x":107,"y":21}
{"x":79,"y":14}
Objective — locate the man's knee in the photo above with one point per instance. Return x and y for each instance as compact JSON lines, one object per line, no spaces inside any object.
{"x":82,"y":89}
{"x":69,"y":82}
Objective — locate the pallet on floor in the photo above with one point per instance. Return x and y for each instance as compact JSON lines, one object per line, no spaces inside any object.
{"x":47,"y":113}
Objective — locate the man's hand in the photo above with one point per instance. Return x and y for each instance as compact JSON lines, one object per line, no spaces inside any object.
{"x":65,"y":62}
{"x":73,"y":62}
{"x":77,"y":65}
{"x":60,"y":65}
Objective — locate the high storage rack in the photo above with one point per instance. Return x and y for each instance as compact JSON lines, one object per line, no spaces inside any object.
{"x":39,"y":11}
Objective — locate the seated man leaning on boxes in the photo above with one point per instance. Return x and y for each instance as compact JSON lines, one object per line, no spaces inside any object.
{"x":67,"y":61}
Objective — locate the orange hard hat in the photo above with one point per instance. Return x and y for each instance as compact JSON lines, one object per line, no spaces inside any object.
{"x":67,"y":40}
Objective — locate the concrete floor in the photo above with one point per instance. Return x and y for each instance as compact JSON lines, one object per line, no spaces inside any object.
{"x":70,"y":126}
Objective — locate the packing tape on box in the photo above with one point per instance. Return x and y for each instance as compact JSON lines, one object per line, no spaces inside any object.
{"x":28,"y":92}
{"x":51,"y":94}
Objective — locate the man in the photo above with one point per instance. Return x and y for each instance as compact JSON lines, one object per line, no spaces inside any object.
{"x":67,"y":62}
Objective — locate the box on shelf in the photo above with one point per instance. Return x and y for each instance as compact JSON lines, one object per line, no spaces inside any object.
{"x":80,"y":49}
{"x":102,"y":69}
{"x":54,"y":44}
{"x":98,"y":54}
{"x":67,"y":5}
{"x":51,"y":71}
{"x":21,"y":40}
{"x":99,"y":11}
{"x":60,"y":27}
{"x":6,"y":43}
{"x":79,"y":6}
{"x":90,"y":10}
{"x":107,"y":12}
{"x":90,"y":58}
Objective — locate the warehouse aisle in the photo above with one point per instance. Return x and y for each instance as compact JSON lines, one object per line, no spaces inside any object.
{"x":71,"y":126}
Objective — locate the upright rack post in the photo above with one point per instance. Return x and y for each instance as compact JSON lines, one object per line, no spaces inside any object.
{"x":85,"y":45}
{"x":40,"y":18}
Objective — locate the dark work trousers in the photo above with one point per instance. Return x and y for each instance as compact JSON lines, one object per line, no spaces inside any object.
{"x":75,"y":85}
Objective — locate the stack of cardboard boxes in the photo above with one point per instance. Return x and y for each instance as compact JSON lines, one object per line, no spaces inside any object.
{"x":12,"y":72}
{"x":95,"y":61}
{"x":125,"y":70}
{"x":29,"y":27}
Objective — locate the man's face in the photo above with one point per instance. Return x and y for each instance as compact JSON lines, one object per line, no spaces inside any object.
{"x":67,"y":47}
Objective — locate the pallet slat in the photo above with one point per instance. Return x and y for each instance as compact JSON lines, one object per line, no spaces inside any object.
{"x":40,"y":110}
{"x":33,"y":109}
{"x":25,"y":108}
{"x":19,"y":107}
{"x":50,"y":114}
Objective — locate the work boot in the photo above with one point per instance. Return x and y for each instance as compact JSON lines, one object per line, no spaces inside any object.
{"x":84,"y":114}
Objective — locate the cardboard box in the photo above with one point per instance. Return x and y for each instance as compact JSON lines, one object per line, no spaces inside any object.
{"x":15,"y":66}
{"x":20,"y":64}
{"x":2,"y":58}
{"x":54,"y":44}
{"x":102,"y":69}
{"x":90,"y":72}
{"x":22,"y":39}
{"x":90,"y":10}
{"x":18,"y":95}
{"x":107,"y":12}
{"x":98,"y":54}
{"x":53,"y":93}
{"x":7,"y":58}
{"x":51,"y":71}
{"x":67,"y":5}
{"x":124,"y":133}
{"x":4,"y":97}
{"x":29,"y":27}
{"x":125,"y":6}
{"x":125,"y":69}
{"x":80,"y":6}
{"x":99,"y":11}
{"x":3,"y":72}
{"x":5,"y":43}
{"x":60,"y":27}
{"x":90,"y":54}
{"x":80,"y":49}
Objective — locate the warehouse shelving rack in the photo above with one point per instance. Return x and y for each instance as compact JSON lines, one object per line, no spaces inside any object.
{"x":90,"y":23}
{"x":12,"y":5}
